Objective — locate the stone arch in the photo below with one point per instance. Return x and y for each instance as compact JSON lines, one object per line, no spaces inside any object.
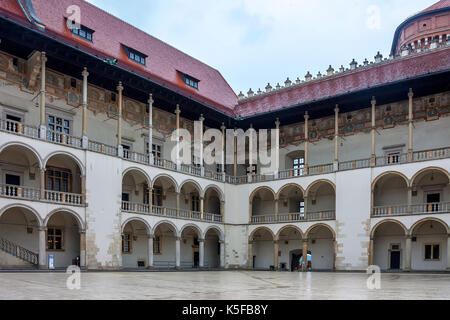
{"x":287,"y":186}
{"x":375,"y":181}
{"x":164,"y":175}
{"x":259,"y":229}
{"x":131,"y":219}
{"x":216,"y":188}
{"x":252,"y":195}
{"x":195,"y":183}
{"x":23,"y":145}
{"x":68,"y":154}
{"x":130,"y":169}
{"x":313,"y":184}
{"x":290,"y":226}
{"x":217,"y":229}
{"x":375,"y":227}
{"x":417,"y":175}
{"x":418,"y":223}
{"x":318,"y":225}
{"x":193,"y":226}
{"x":23,"y":206}
{"x":69,"y":211}
{"x":174,"y":227}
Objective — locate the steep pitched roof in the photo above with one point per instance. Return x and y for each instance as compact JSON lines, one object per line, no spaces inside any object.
{"x":438,"y":5}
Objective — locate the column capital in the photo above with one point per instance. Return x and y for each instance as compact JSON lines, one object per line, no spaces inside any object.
{"x":223,"y":242}
{"x":43,"y":57}
{"x":201,"y":118}
{"x":82,"y":231}
{"x":336,"y":109}
{"x":150,"y":100}
{"x":85,"y":73}
{"x":277,"y":123}
{"x":373,"y":101}
{"x":222,"y":127}
{"x":250,"y":241}
{"x":276,"y":242}
{"x":410,"y":93}
{"x":150,"y":236}
{"x":177,"y":110}
{"x":120,"y":87}
{"x":201,"y":240}
{"x":305,"y":240}
{"x":42,"y":228}
{"x":306,"y":116}
{"x":178,"y":238}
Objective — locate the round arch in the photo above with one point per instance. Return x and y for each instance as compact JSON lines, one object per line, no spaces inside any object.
{"x":252,"y":195}
{"x":287,"y":186}
{"x":131,"y":219}
{"x":290,"y":226}
{"x":23,"y":145}
{"x":164,"y":175}
{"x":445,"y":172}
{"x":170,"y":223}
{"x":418,"y":223}
{"x":129,"y":170}
{"x":216,"y":188}
{"x":66,"y":210}
{"x":318,"y":225}
{"x":68,"y":154}
{"x":193,"y":226}
{"x":217,"y":229}
{"x":313,"y":184}
{"x":384,"y":174}
{"x":23,"y":206}
{"x":195,"y":183}
{"x":375,"y":227}
{"x":260,"y":229}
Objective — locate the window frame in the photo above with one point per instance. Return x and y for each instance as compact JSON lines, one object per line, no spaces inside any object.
{"x":157,"y":240}
{"x":61,"y":170}
{"x":190,"y":81}
{"x":432,"y":245}
{"x":133,"y":53}
{"x":86,"y":30}
{"x":130,"y":242}
{"x":63,"y":248}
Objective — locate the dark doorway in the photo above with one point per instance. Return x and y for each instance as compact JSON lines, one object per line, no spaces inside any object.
{"x":12,"y":180}
{"x":196,"y":259}
{"x":295,"y":259}
{"x":395,"y":260}
{"x":433,"y":200}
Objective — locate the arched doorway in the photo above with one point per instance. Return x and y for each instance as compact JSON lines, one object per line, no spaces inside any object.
{"x":214,"y":203}
{"x":290,"y":244}
{"x":291,"y":203}
{"x":164,"y":195}
{"x":389,"y":245}
{"x":191,"y":242}
{"x":430,"y":192}
{"x":135,"y":244}
{"x":321,"y":247}
{"x":214,"y":249}
{"x":190,"y":202}
{"x":135,"y":191}
{"x":390,"y":195}
{"x":263,"y":205}
{"x":262,"y":249}
{"x":164,"y":244}
{"x":321,"y":201}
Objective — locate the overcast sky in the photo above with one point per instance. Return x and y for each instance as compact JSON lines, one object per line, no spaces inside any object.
{"x":253,"y":42}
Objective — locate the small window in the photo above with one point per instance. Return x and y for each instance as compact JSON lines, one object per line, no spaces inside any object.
{"x":84,"y":33}
{"x":432,"y":252}
{"x":299,"y":165}
{"x":73,"y":83}
{"x":157,"y":197}
{"x":157,"y":245}
{"x":126,"y":243}
{"x":54,"y":239}
{"x":135,"y":55}
{"x":394,"y":157}
{"x":195,"y":203}
{"x":190,"y":81}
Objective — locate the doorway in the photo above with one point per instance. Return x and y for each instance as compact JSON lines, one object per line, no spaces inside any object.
{"x":295,"y":259}
{"x":395,"y":260}
{"x":433,"y":200}
{"x":196,"y":259}
{"x":12,"y":183}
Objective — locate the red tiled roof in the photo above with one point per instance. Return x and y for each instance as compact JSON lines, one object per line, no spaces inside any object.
{"x":110,"y":33}
{"x":438,"y":5}
{"x":363,"y":78}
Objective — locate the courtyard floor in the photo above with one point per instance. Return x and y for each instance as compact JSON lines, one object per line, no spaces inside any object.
{"x":227,"y":285}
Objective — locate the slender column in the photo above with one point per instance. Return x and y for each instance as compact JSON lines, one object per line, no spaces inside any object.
{"x":250,"y":211}
{"x":277,"y":147}
{"x":305,"y":200}
{"x":150,"y":251}
{"x":43,"y":127}
{"x":410,"y":189}
{"x":335,"y":246}
{"x":222,"y":254}
{"x":177,"y":252}
{"x":83,"y":189}
{"x":42,"y":179}
{"x":306,"y":142}
{"x":82,"y":248}
{"x":370,"y":263}
{"x":119,"y":121}
{"x":250,"y":255}
{"x":448,"y":252}
{"x":410,"y":122}
{"x":202,"y":167}
{"x":336,"y":138}
{"x":202,"y":207}
{"x":178,"y":204}
{"x":223,"y":150}
{"x":201,"y":252}
{"x":235,"y":153}
{"x":150,"y":129}
{"x":150,"y":202}
{"x":177,"y":113}
{"x":275,"y":255}
{"x":85,"y":140}
{"x":276,"y":209}
{"x":222,"y":209}
{"x":373,"y":156}
{"x":305,"y":255}
{"x":250,"y":154}
{"x":42,"y":248}
{"x":408,"y":253}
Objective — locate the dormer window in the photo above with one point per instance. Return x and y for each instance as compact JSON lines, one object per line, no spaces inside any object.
{"x":84,"y":33}
{"x":189,"y":81}
{"x":135,"y":55}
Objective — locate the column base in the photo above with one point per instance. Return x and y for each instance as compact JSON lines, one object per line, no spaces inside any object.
{"x":42,"y":132}
{"x":120,"y":151}
{"x":335,"y":166}
{"x":84,"y":142}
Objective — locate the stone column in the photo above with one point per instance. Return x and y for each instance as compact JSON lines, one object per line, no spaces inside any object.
{"x":335,"y":248}
{"x":202,"y":163}
{"x":306,"y":143}
{"x":119,"y":121}
{"x":277,"y":148}
{"x":276,"y":208}
{"x":201,"y":253}
{"x":82,"y":248}
{"x":275,"y":255}
{"x":370,"y":263}
{"x":202,"y":207}
{"x":373,"y":157}
{"x":150,"y":252}
{"x":178,"y":204}
{"x":85,"y":139}
{"x":223,"y":150}
{"x":250,"y":255}
{"x":410,"y":123}
{"x":83,"y":189}
{"x":43,"y":126}
{"x":235,"y":153}
{"x":177,"y":252}
{"x":410,"y":190}
{"x":448,"y":252}
{"x":177,"y":113}
{"x":150,"y":129}
{"x":222,"y":209}
{"x":150,"y":202}
{"x":250,"y":211}
{"x":42,"y":248}
{"x":305,"y":255}
{"x":336,"y":139}
{"x":305,"y":200}
{"x":42,"y":179}
{"x":408,"y":253}
{"x":222,"y":254}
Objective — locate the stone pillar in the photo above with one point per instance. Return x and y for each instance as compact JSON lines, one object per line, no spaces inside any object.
{"x":306,"y":143}
{"x":250,"y":255}
{"x":177,"y":113}
{"x":370,"y":263}
{"x":223,"y":150}
{"x":448,"y":252}
{"x":235,"y":154}
{"x":250,"y":210}
{"x":410,"y":189}
{"x":150,"y":129}
{"x":408,"y":253}
{"x":275,"y":255}
{"x":82,"y":248}
{"x":202,"y":163}
{"x":43,"y":126}
{"x":276,"y":208}
{"x":336,"y":139}
{"x":202,"y":207}
{"x":222,"y":254}
{"x":177,"y":252}
{"x":277,"y":148}
{"x":42,"y":248}
{"x":83,"y":189}
{"x":305,"y":255}
{"x":410,"y":123}
{"x":222,"y":209}
{"x":305,"y":200}
{"x":373,"y":157}
{"x":150,"y":252}
{"x":42,"y":180}
{"x":150,"y":202}
{"x":119,"y":121}
{"x":335,"y":249}
{"x":201,"y":253}
{"x":85,"y":139}
{"x":178,"y":204}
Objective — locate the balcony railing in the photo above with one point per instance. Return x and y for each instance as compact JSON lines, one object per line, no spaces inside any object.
{"x":63,"y":197}
{"x":19,"y":128}
{"x":21,"y":192}
{"x":169,"y":212}
{"x":391,"y":160}
{"x":355,"y":164}
{"x":295,"y":217}
{"x":435,"y":154}
{"x":404,"y":210}
{"x":61,"y":138}
{"x":102,"y":148}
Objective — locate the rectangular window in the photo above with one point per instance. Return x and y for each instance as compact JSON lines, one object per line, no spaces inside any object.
{"x":157,"y":197}
{"x":58,"y":129}
{"x":195,"y":203}
{"x":432,"y":252}
{"x":393,"y":157}
{"x":156,"y":151}
{"x":299,"y":165}
{"x":135,"y":55}
{"x":146,"y":194}
{"x":126,"y":243}
{"x":12,"y":123}
{"x":84,"y":33}
{"x":54,"y":239}
{"x":189,"y":81}
{"x":59,"y":180}
{"x":157,"y":245}
{"x":302,"y":208}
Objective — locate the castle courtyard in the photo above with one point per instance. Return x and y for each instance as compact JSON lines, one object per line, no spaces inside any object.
{"x":235,"y":285}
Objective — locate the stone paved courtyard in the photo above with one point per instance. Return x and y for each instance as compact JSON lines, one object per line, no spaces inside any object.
{"x":233,"y":285}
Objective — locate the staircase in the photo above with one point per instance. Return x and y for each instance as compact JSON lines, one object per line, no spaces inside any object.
{"x":19,"y":252}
